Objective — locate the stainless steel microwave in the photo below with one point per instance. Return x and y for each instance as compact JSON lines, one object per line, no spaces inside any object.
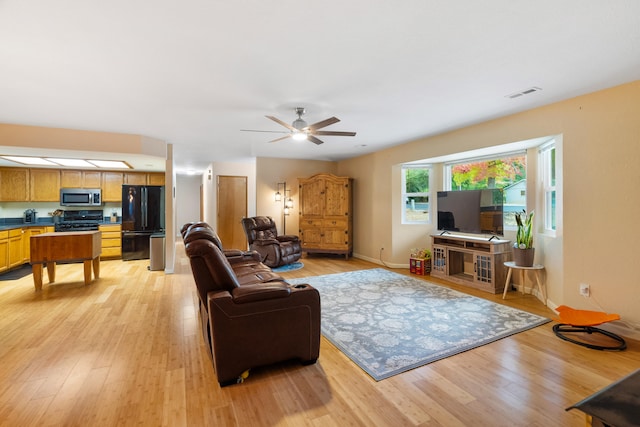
{"x":80,"y":197}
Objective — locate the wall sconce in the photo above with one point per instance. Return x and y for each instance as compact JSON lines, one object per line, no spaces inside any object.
{"x":285,"y":197}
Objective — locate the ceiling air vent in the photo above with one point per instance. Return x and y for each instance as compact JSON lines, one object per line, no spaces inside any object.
{"x":523,"y":92}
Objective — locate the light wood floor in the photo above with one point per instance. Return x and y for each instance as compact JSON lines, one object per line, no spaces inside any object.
{"x":127,"y":350}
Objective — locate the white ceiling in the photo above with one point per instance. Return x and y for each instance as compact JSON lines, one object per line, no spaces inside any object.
{"x":195,"y":72}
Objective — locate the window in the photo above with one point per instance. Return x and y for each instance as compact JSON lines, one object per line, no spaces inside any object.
{"x":508,"y":172}
{"x":415,"y":193}
{"x":548,"y":173}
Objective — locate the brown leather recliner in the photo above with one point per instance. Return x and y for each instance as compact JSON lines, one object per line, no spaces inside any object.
{"x":254,"y":323}
{"x":263,"y":237}
{"x":245,"y":264}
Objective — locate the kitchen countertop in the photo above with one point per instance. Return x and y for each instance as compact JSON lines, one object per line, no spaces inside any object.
{"x":7,"y":224}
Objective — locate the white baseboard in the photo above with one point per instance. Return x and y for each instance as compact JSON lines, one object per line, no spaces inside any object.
{"x":617,"y":327}
{"x":379,"y":262}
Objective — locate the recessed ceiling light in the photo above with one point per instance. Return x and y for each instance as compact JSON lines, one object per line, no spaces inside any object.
{"x":113,"y":164}
{"x":76,"y":163}
{"x":29,"y":160}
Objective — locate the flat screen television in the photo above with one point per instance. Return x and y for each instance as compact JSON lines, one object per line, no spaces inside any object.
{"x":471,"y":211}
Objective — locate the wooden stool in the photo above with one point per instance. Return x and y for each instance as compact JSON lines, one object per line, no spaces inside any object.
{"x":536,"y":269}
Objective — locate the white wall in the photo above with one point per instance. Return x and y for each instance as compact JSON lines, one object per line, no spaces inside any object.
{"x":187,"y":199}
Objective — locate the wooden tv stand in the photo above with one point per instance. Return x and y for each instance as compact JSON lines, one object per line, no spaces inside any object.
{"x":471,"y":261}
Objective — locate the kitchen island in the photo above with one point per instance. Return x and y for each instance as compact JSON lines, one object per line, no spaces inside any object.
{"x":49,"y":248}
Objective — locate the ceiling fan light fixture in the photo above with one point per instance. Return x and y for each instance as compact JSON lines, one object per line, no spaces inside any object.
{"x":299,"y":124}
{"x":299,"y":130}
{"x":299,"y":136}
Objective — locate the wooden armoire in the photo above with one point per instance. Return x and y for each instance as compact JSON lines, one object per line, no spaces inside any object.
{"x":326,"y":214}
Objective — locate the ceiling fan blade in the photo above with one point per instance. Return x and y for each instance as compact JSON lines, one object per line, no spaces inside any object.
{"x":334,"y":133}
{"x":314,"y":140}
{"x":280,"y":122}
{"x":323,"y":123}
{"x":280,"y":139}
{"x":269,"y":131}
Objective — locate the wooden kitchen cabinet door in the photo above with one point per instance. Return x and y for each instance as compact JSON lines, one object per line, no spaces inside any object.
{"x":135,"y":178}
{"x":4,"y":250}
{"x":80,"y":179}
{"x":112,"y":186}
{"x":91,"y":179}
{"x":44,"y":185}
{"x":70,"y":179}
{"x":155,"y":178}
{"x":14,"y":185}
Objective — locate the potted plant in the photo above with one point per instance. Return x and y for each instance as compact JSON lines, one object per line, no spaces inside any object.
{"x":523,"y":250}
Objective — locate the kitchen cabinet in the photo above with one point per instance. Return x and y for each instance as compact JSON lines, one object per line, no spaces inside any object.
{"x":326,"y":214}
{"x":4,"y":250}
{"x":112,"y":186}
{"x":14,"y":185}
{"x":44,"y":185}
{"x":135,"y":178}
{"x":27,"y":232}
{"x":144,"y":178}
{"x":155,"y":178}
{"x":80,"y":179}
{"x":111,"y":241}
{"x":16,"y":254}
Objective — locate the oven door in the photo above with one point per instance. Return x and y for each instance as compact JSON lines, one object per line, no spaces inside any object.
{"x":135,"y":245}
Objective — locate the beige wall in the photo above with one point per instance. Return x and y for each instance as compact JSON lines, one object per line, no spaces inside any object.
{"x":599,"y":137}
{"x":269,"y":172}
{"x":209,"y":182}
{"x":70,"y":139}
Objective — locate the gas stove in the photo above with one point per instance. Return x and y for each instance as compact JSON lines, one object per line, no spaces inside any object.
{"x":81,"y":220}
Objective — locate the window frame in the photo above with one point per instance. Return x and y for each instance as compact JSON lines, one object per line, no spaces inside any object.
{"x":448,"y":166}
{"x":405,"y":195}
{"x":548,"y":173}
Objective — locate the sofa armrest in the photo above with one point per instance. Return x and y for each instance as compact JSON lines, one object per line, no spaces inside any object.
{"x":237,"y":255}
{"x":265,"y":242}
{"x":288,"y":238}
{"x":260,"y":292}
{"x":263,"y":332}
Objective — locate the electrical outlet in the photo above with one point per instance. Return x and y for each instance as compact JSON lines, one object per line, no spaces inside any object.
{"x":585,"y":291}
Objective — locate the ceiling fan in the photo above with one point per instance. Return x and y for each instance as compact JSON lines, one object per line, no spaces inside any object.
{"x":300,"y":130}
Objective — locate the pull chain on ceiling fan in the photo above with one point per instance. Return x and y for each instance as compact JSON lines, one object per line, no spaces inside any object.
{"x":299,"y":130}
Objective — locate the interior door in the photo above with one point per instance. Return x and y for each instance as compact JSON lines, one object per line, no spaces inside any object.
{"x":232,"y":207}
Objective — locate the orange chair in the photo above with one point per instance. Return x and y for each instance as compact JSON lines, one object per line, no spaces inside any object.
{"x":584,"y":321}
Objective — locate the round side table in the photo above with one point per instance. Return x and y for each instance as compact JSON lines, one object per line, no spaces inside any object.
{"x":537,"y":268}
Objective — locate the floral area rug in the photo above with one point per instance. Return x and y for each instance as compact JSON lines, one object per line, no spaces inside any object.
{"x":388,"y":323}
{"x":288,"y":267}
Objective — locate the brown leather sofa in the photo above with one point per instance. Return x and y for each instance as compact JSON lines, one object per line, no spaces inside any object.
{"x":275,"y":250}
{"x":246,"y":265}
{"x":250,"y":318}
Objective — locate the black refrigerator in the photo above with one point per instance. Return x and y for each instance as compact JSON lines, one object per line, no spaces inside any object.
{"x":142,"y":216}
